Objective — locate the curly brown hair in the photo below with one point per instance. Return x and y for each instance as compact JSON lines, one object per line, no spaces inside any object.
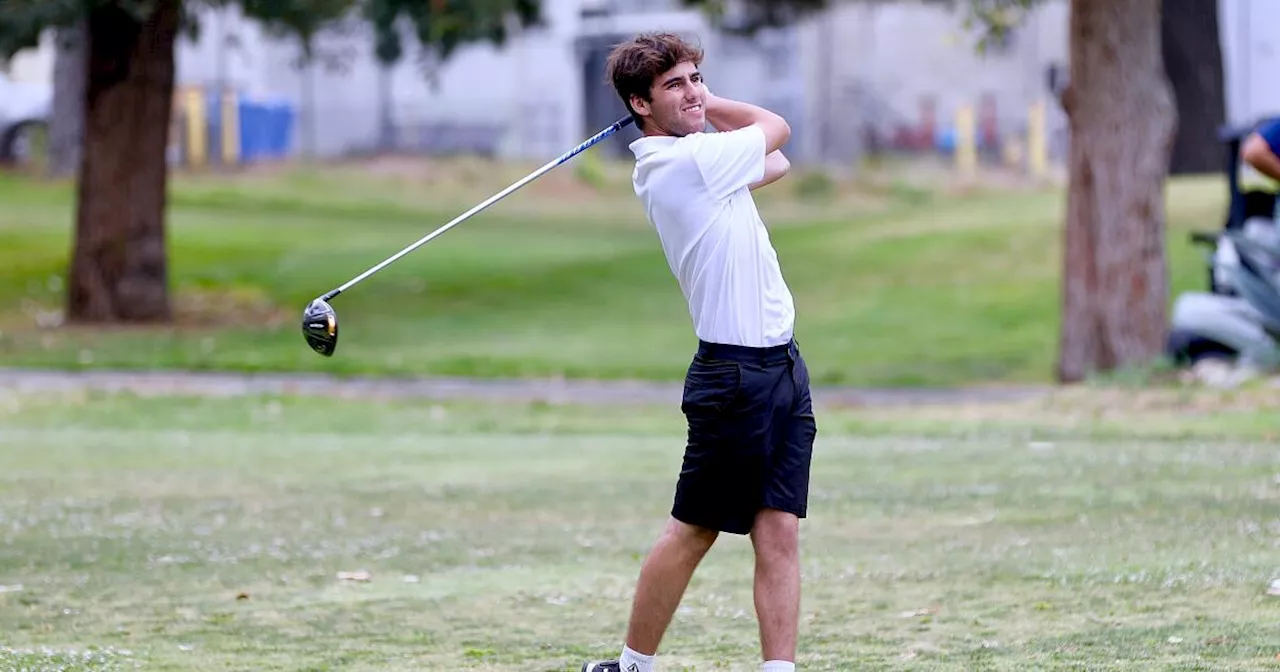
{"x":633,"y":65}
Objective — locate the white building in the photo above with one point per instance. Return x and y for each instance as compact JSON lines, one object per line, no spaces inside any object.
{"x":535,"y":97}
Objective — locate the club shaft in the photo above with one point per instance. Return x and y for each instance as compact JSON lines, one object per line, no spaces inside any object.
{"x":610,"y":130}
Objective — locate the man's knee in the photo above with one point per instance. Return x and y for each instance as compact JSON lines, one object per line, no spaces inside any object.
{"x":776,"y":534}
{"x":694,"y":538}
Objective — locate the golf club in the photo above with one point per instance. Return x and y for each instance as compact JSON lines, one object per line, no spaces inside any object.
{"x":320,"y":322}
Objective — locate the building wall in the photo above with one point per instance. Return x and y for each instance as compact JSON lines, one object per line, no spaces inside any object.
{"x":879,"y":73}
{"x":341,"y":103}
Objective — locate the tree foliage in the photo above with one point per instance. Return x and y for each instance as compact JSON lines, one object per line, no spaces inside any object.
{"x":303,"y":19}
{"x":23,"y":21}
{"x":751,"y":16}
{"x":990,"y":17}
{"x":441,"y":26}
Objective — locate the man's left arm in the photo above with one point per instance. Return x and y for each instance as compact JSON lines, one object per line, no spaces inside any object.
{"x":775,"y":168}
{"x":776,"y":165}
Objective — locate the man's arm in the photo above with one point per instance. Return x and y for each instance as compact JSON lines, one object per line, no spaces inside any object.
{"x":731,"y":115}
{"x":775,"y":168}
{"x":1259,"y":151}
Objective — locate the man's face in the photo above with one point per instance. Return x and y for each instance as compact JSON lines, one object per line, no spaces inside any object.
{"x":676,"y":106}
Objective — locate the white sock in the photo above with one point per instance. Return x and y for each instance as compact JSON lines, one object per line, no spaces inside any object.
{"x":777,"y":666}
{"x":641,"y":662}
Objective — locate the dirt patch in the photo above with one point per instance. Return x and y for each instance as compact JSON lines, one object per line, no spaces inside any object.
{"x":239,"y":307}
{"x":1120,"y":402}
{"x":193,"y":309}
{"x":1089,"y":404}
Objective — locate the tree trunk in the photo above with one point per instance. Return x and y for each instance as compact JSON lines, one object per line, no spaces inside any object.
{"x":386,"y":123}
{"x":1115,"y":281}
{"x":119,"y":271}
{"x":1193,"y":60}
{"x":65,"y":128}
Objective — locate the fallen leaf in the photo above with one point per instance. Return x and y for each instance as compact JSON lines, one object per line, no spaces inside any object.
{"x":360,"y":575}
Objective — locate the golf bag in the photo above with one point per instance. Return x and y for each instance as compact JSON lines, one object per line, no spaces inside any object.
{"x":1239,"y":320}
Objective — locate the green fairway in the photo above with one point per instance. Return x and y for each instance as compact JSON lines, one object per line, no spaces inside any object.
{"x":894,"y":284}
{"x":1092,"y":530}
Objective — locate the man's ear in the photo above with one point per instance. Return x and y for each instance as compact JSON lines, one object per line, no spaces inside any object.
{"x":641,"y":106}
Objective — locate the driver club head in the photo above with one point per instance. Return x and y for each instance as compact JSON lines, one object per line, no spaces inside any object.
{"x":320,"y":327}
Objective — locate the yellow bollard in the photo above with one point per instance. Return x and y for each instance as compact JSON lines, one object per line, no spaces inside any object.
{"x":966,"y":141}
{"x":1037,"y":144}
{"x":173,"y":147}
{"x":230,"y":129}
{"x":197,"y":127}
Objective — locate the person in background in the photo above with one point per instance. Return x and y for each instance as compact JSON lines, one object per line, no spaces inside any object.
{"x":1261,"y":149}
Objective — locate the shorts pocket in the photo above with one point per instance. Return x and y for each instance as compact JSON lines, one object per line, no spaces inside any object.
{"x":711,"y":387}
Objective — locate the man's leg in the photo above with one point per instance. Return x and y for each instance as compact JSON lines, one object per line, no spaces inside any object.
{"x":776,"y":533}
{"x":713,"y":495}
{"x":776,"y":540}
{"x":703,"y":491}
{"x":663,"y":579}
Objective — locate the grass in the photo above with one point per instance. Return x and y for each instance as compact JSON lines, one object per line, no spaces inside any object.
{"x":1078,"y":532}
{"x":897,"y":283}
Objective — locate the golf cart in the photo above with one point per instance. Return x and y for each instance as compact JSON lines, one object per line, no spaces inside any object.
{"x":1237,"y":320}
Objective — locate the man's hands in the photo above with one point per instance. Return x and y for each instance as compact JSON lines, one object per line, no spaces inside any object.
{"x":731,"y":115}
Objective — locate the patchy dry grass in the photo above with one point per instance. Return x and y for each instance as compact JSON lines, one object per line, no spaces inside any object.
{"x":202,"y":534}
{"x":1175,"y":412}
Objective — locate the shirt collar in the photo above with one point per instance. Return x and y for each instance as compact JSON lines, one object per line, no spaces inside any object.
{"x":648,"y":144}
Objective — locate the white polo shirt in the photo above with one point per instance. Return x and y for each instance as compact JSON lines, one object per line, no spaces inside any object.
{"x":696,"y":193}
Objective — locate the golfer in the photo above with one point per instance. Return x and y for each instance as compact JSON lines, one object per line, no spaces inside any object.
{"x":746,"y":397}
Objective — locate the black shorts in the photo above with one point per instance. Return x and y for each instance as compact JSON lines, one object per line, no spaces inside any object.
{"x":751,"y":434}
